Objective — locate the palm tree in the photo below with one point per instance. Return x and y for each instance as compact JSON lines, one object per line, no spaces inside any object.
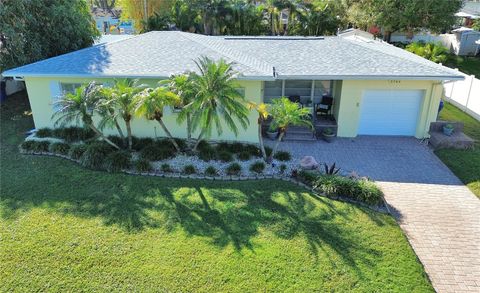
{"x":80,"y":106}
{"x":106,"y":109}
{"x":262,"y":116}
{"x":150,"y":103}
{"x":182,"y":86}
{"x":285,"y":113}
{"x":119,"y":100}
{"x":216,"y":98}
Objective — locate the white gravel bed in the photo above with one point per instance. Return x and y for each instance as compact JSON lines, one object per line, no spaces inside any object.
{"x":178,"y":162}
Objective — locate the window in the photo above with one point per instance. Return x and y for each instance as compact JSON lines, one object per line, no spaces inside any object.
{"x":69,"y":87}
{"x":241,"y":91}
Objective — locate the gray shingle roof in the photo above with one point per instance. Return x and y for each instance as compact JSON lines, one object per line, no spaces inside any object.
{"x":161,"y":54}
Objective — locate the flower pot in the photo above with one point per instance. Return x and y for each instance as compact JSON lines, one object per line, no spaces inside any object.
{"x":328,"y":137}
{"x":448,"y":131}
{"x":272,"y":134}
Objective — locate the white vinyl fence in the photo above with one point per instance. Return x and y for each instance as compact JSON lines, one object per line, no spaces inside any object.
{"x":465,"y":94}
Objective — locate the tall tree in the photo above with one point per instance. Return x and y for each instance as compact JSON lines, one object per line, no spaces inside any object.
{"x":217,"y":101}
{"x":403,"y":15}
{"x":135,"y":10}
{"x":37,"y":29}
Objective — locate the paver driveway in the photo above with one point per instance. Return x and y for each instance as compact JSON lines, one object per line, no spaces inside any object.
{"x":439,"y":215}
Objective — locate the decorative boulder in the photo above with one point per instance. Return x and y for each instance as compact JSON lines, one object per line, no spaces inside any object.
{"x":308,"y":163}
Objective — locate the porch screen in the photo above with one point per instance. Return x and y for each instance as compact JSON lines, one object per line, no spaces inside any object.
{"x":272,"y":90}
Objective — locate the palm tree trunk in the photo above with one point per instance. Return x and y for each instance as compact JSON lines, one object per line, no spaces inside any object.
{"x":282,"y":133}
{"x":189,"y":127}
{"x":260,"y":140}
{"x":199,"y":139}
{"x":119,"y":129}
{"x":100,"y":134}
{"x":129,"y":133}
{"x":160,"y":121}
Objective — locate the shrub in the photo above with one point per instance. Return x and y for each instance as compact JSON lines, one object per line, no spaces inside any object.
{"x":60,"y":148}
{"x":268,"y":151}
{"x":189,"y":169}
{"x":118,"y":160}
{"x":166,"y":168}
{"x":44,"y":132}
{"x":73,"y":134}
{"x":253,"y":150}
{"x":143,"y":165}
{"x":225,"y":156}
{"x":35,"y":146}
{"x":139,"y":143}
{"x":122,"y":143}
{"x":203,"y":144}
{"x":233,"y":169}
{"x":211,"y":171}
{"x":207,"y":153}
{"x":282,"y":156}
{"x":307,"y":177}
{"x":95,"y":154}
{"x":357,"y":189}
{"x":235,"y":147}
{"x":156,"y":152}
{"x":244,"y":156}
{"x":257,"y":167}
{"x":182,"y":144}
{"x":283,"y":168}
{"x":76,"y":151}
{"x":28,"y":145}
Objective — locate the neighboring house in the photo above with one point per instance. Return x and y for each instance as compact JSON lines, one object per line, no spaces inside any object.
{"x":460,"y":41}
{"x":377,"y":89}
{"x":108,"y":21}
{"x":354,"y":32}
{"x":464,"y":43}
{"x":469,"y":13}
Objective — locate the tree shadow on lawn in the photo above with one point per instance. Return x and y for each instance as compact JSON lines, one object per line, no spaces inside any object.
{"x":222,"y":212}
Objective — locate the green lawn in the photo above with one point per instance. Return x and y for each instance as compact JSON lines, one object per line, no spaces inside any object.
{"x":64,"y":228}
{"x":464,"y":163}
{"x":468,"y":65}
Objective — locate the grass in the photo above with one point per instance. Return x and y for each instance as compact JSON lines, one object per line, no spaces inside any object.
{"x":464,"y":163}
{"x":468,"y":65}
{"x":65,"y":228}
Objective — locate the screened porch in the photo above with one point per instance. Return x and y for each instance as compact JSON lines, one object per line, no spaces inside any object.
{"x":316,"y":95}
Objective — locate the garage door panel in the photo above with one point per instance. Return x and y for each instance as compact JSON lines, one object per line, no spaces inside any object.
{"x":390,"y":112}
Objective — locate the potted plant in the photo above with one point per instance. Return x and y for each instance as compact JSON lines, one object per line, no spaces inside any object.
{"x":272,"y":131}
{"x":448,"y":129}
{"x":328,"y":134}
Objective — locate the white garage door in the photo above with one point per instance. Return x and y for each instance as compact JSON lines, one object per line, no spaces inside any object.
{"x":390,"y":112}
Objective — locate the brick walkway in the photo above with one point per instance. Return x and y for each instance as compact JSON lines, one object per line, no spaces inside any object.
{"x":439,"y":215}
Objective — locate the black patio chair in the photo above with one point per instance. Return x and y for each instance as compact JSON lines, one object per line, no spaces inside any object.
{"x":325,"y":107}
{"x":295,"y":99}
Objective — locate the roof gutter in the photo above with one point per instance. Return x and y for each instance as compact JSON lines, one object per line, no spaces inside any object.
{"x":372,"y":77}
{"x":249,"y":77}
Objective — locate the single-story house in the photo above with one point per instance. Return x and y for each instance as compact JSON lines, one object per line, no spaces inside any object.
{"x":377,"y":89}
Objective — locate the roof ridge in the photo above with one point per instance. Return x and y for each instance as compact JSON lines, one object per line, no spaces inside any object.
{"x":254,"y":63}
{"x":421,"y":60}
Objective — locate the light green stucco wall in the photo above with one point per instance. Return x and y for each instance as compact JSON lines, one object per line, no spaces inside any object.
{"x":41,"y":98}
{"x":347,"y":106}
